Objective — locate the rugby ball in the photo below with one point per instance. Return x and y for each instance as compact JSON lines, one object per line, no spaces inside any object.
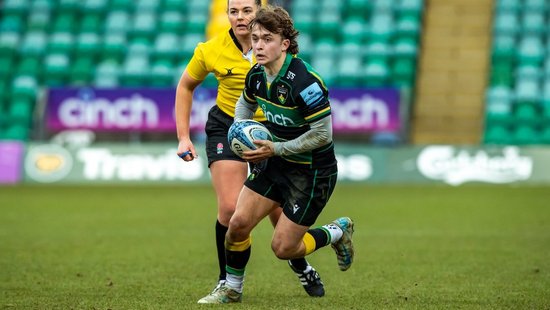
{"x":242,"y":134}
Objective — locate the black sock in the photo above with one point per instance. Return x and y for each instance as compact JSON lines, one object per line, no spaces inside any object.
{"x":220,"y":246}
{"x":299,"y":263}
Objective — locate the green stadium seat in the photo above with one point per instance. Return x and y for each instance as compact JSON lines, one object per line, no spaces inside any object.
{"x":9,"y":43}
{"x":406,"y":48}
{"x":327,"y":47}
{"x":117,"y":22}
{"x":144,"y":25}
{"x":12,"y":23}
{"x":358,"y":8}
{"x":61,"y":42}
{"x":114,"y":46}
{"x":16,"y":132}
{"x":107,"y":74}
{"x":122,"y":5}
{"x":533,"y":23}
{"x":508,"y":5}
{"x":24,"y":87}
{"x":6,"y":68}
{"x":411,"y":7}
{"x":377,"y":73}
{"x":403,"y":72}
{"x":68,"y":6}
{"x":305,"y":44}
{"x":15,"y":7}
{"x":65,"y":22}
{"x":196,"y":23}
{"x":506,"y":23}
{"x":92,"y":23}
{"x":327,"y":25}
{"x":56,"y":69}
{"x":504,"y":47}
{"x":88,"y":44}
{"x":34,"y":44}
{"x":189,"y":42}
{"x":382,"y":27}
{"x":528,"y":91}
{"x":38,"y":20}
{"x":43,"y":5}
{"x":501,"y":73}
{"x":408,"y":26}
{"x":174,"y":5}
{"x":30,"y":66}
{"x":324,"y":64}
{"x":525,"y":135}
{"x":535,"y":5}
{"x":378,"y":50}
{"x":526,"y":113}
{"x":353,"y":30}
{"x":498,"y":134}
{"x":82,"y":71}
{"x":95,"y":7}
{"x":135,"y":71}
{"x":194,"y":6}
{"x":149,"y":5}
{"x":350,"y":71}
{"x":20,"y":111}
{"x":531,"y":50}
{"x":545,"y":135}
{"x":167,"y":47}
{"x":172,"y":21}
{"x":162,"y":73}
{"x":304,"y":21}
{"x":139,"y":47}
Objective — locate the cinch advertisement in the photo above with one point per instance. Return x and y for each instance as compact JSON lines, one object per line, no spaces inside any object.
{"x":152,"y":109}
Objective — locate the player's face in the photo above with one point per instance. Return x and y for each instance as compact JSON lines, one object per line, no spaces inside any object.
{"x":240,"y":13}
{"x":268,"y":47}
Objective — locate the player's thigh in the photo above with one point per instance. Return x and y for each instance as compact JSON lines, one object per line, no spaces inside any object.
{"x":228,"y":177}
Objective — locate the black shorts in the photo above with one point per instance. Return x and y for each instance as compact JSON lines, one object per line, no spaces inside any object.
{"x":302,"y":192}
{"x":217,"y":147}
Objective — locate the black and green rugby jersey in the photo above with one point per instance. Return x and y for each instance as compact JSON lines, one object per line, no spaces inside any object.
{"x":295,"y":98}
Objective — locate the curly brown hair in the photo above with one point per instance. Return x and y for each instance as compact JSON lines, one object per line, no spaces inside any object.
{"x":276,"y":20}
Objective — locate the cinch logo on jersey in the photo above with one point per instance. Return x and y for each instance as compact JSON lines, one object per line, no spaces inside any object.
{"x":278,"y":119}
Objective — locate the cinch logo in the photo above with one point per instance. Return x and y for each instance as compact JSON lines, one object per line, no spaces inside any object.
{"x":278,"y":119}
{"x":133,"y":112}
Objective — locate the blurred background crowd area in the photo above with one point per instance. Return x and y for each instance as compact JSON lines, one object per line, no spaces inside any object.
{"x":469,"y":71}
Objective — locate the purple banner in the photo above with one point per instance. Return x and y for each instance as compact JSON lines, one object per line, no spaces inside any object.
{"x":11,"y":156}
{"x":152,"y":109}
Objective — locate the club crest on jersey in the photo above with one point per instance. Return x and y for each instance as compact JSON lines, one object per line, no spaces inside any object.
{"x":282,"y":94}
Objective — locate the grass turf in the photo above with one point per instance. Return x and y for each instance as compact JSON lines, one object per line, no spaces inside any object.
{"x":151,"y":247}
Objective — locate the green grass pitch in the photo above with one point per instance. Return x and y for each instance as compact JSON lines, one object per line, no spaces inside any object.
{"x":151,"y":247}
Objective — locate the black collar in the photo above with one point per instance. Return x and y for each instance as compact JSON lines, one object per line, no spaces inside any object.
{"x":236,"y":41}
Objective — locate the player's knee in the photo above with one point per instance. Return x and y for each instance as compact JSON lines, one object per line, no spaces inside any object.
{"x":281,"y":250}
{"x":238,"y":229}
{"x":225,"y":211}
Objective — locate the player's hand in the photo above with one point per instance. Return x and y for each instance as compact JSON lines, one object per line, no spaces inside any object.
{"x":264,"y":150}
{"x":186,"y":150}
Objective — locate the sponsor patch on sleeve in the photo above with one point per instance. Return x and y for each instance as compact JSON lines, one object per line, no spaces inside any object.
{"x":312,"y":95}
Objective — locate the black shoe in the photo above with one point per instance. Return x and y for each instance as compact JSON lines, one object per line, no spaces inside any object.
{"x":311,"y":281}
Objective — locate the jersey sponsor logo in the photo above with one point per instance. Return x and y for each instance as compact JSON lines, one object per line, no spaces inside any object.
{"x":278,"y":119}
{"x":282,"y":94}
{"x":229,"y":71}
{"x":312,"y":95}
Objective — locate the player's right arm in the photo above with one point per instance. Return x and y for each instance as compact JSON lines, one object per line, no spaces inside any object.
{"x":184,"y":101}
{"x":195,"y":72}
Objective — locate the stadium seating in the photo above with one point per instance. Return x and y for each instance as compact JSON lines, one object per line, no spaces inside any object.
{"x":519,"y":78}
{"x":119,"y":43}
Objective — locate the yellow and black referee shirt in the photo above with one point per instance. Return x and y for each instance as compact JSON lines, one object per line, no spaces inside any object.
{"x":222,"y":55}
